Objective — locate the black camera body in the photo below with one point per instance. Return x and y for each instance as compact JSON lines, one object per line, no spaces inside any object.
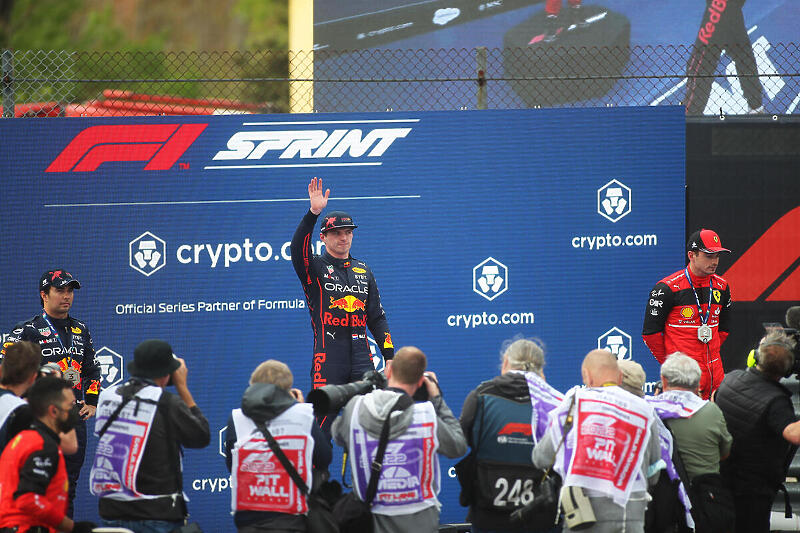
{"x":795,"y":336}
{"x":330,"y":398}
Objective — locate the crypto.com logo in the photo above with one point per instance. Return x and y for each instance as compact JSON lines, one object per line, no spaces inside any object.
{"x":159,"y":144}
{"x":614,"y":200}
{"x":490,"y":278}
{"x":112,"y":369}
{"x":617,"y":342}
{"x":147,"y":253}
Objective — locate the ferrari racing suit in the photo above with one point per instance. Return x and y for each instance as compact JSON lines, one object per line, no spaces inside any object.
{"x":672,"y":319}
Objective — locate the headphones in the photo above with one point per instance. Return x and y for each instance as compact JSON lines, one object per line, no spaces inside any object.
{"x":754,"y":357}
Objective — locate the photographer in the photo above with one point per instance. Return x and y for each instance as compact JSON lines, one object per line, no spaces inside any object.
{"x":760,"y":417}
{"x":270,"y":401}
{"x":502,"y":419}
{"x":153,"y":501}
{"x":603,"y":442}
{"x":20,"y":370}
{"x":406,"y":497}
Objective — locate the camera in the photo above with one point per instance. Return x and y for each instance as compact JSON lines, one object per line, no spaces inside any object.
{"x":50,"y":369}
{"x":330,"y":398}
{"x":545,"y":501}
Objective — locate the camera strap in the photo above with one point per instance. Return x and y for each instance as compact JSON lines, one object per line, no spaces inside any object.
{"x":568,"y":421}
{"x":121,"y":406}
{"x":403,"y":402}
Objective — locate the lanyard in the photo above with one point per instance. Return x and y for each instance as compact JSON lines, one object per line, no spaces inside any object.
{"x":58,"y":337}
{"x":703,"y":319}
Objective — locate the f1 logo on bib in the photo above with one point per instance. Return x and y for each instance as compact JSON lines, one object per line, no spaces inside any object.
{"x":490,"y":278}
{"x":112,"y":368}
{"x":614,"y":200}
{"x":147,"y":253}
{"x":617,"y":342}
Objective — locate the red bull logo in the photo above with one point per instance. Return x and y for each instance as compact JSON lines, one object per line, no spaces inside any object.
{"x":347,"y":320}
{"x":515,"y":427}
{"x":66,"y":363}
{"x":94,"y":387}
{"x":316,"y":377}
{"x":387,"y":343}
{"x":348,"y":303}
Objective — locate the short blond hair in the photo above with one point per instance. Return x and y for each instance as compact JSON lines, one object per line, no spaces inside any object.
{"x":409,"y":365}
{"x":274,"y":372}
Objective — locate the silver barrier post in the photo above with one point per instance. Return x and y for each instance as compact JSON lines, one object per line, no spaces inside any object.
{"x":8,"y":83}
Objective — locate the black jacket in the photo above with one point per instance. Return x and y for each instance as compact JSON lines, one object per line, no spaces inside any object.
{"x":756,"y":410}
{"x":175,"y":426}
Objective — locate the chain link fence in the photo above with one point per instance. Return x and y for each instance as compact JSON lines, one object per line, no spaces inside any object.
{"x":60,"y":83}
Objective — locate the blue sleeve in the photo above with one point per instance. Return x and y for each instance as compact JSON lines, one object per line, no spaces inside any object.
{"x":323,"y":451}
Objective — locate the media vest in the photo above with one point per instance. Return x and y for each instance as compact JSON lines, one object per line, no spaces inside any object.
{"x":120,"y":449}
{"x":259,"y":482}
{"x":8,"y":403}
{"x":409,"y":479}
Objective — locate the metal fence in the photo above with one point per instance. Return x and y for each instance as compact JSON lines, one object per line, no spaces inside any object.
{"x":61,"y":83}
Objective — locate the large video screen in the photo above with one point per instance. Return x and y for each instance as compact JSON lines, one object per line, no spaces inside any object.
{"x":711,"y":57}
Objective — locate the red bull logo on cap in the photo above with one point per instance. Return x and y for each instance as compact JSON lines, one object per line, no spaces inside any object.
{"x":348,"y":303}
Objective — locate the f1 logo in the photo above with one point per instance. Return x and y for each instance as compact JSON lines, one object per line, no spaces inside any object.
{"x":159,"y":144}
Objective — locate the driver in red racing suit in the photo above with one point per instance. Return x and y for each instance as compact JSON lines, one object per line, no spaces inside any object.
{"x":678,"y":311}
{"x":341,"y":294}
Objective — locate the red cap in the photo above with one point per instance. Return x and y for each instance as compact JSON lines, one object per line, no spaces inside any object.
{"x":705,"y":240}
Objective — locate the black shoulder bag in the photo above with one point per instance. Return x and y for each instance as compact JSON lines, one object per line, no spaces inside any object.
{"x":546,"y":493}
{"x":352,"y":514}
{"x":320,"y":515}
{"x":713,"y":509}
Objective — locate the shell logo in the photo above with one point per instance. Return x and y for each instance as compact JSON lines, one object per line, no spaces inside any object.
{"x":687,"y":312}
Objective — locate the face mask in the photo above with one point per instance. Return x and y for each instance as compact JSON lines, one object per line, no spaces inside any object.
{"x":73,"y":417}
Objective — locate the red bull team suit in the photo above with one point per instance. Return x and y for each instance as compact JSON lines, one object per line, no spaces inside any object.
{"x":672,"y":319}
{"x":343,"y":300}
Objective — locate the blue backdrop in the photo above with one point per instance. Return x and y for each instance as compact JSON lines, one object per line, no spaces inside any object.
{"x":477,"y":225}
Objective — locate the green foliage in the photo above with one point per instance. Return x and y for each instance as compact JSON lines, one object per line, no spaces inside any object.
{"x":95,"y":47}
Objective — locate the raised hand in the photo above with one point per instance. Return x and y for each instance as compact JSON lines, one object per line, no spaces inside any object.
{"x":318,"y":200}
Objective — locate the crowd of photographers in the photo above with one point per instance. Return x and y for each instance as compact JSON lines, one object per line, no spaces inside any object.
{"x":600,"y":457}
